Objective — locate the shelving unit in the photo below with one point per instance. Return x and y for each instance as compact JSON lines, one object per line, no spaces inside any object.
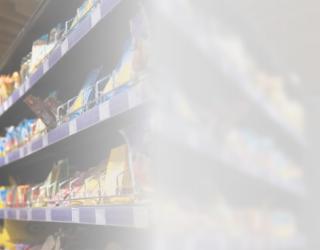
{"x":120,"y":103}
{"x":131,"y":216}
{"x":82,"y":29}
{"x":109,"y":113}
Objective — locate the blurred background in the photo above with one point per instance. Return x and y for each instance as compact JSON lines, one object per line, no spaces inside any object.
{"x":237,"y":119}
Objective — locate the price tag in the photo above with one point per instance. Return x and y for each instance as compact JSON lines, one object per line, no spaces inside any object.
{"x":64,"y":46}
{"x":100,"y":216}
{"x":21,"y":152}
{"x":29,"y":214}
{"x":75,"y":215}
{"x":18,"y":214}
{"x":21,"y":90}
{"x":6,"y":159}
{"x":95,"y":16}
{"x":5,"y":105}
{"x":48,"y":214}
{"x":27,"y":84}
{"x":45,"y":140}
{"x":73,"y":127}
{"x":29,"y":150}
{"x":45,"y":66}
{"x":104,"y":111}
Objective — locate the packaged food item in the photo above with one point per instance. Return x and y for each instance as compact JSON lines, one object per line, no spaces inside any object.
{"x":77,"y":189}
{"x":23,"y":233}
{"x":25,"y":67}
{"x":2,"y":146}
{"x":10,"y":198}
{"x":52,"y":103}
{"x":82,"y":11}
{"x":11,"y":141}
{"x":6,"y":87}
{"x":24,"y":131}
{"x":142,"y":174}
{"x":55,"y":36}
{"x":13,"y":232}
{"x":34,"y":196}
{"x":86,"y":190}
{"x":38,"y":128}
{"x":16,"y":79}
{"x":116,"y":183}
{"x":39,"y":52}
{"x":61,"y":176}
{"x":62,"y":196}
{"x":17,"y":136}
{"x":3,"y":196}
{"x":45,"y":194}
{"x":134,"y":60}
{"x":43,"y":109}
{"x":83,"y":101}
{"x":21,"y":196}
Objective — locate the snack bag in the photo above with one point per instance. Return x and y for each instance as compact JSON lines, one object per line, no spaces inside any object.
{"x":117,"y":182}
{"x":77,"y":189}
{"x":134,"y":60}
{"x":54,"y":36}
{"x":2,"y":146}
{"x":79,"y":104}
{"x":123,"y":73}
{"x":61,"y":197}
{"x":6,"y":87}
{"x":39,"y":51}
{"x":91,"y":190}
{"x":34,"y":200}
{"x":21,"y":197}
{"x":3,"y":196}
{"x":25,"y":67}
{"x":22,"y":131}
{"x":10,"y":198}
{"x":41,"y":110}
{"x":11,"y":141}
{"x":82,"y":11}
{"x":38,"y":127}
{"x":16,"y":79}
{"x":142,"y":174}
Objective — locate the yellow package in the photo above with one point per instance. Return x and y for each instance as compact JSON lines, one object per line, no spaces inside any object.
{"x":117,"y":184}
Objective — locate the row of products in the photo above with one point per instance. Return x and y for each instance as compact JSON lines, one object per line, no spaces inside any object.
{"x":21,"y":236}
{"x":45,"y":44}
{"x":17,"y":136}
{"x":261,"y":155}
{"x":40,"y":49}
{"x":8,"y":84}
{"x":226,"y":227}
{"x":109,"y":182}
{"x":268,"y":88}
{"x":51,"y":112}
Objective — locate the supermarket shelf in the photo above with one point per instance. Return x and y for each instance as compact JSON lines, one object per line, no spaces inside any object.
{"x":74,"y":37}
{"x":190,"y":140}
{"x":121,"y":102}
{"x":221,"y":61}
{"x":296,"y":188}
{"x":272,"y":112}
{"x":115,"y":215}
